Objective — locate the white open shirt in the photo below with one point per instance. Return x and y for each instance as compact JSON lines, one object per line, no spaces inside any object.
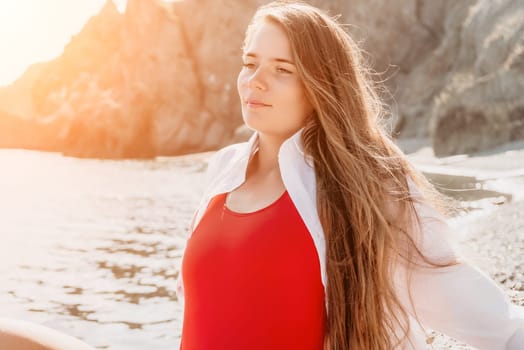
{"x":460,"y":301}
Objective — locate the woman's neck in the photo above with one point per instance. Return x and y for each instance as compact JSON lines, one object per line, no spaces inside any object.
{"x":265,"y":160}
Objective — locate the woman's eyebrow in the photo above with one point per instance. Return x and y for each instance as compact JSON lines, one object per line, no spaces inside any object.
{"x":284,"y":60}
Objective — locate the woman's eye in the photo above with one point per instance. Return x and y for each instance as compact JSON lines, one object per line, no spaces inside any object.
{"x":282,"y":70}
{"x":278,"y":69}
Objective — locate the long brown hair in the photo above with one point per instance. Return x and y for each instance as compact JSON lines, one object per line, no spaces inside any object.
{"x":364,"y":201}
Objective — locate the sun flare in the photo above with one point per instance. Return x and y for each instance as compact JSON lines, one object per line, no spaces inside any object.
{"x":33,"y":30}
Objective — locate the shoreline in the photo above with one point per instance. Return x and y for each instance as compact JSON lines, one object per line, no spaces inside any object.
{"x":496,"y":173}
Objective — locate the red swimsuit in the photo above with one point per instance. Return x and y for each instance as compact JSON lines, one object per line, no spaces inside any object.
{"x":252,"y":281}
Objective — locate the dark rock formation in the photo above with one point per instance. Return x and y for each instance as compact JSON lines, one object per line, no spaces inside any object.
{"x":455,"y":67}
{"x":483,"y":89}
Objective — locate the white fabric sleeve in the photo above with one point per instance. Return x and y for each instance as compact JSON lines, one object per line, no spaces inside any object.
{"x":460,"y":300}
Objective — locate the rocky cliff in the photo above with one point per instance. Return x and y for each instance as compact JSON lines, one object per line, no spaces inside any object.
{"x":160,"y":78}
{"x":455,"y":68}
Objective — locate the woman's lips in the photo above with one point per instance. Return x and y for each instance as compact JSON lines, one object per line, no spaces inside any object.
{"x":256,"y":104}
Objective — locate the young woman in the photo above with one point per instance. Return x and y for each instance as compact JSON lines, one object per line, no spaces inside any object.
{"x":317,"y":233}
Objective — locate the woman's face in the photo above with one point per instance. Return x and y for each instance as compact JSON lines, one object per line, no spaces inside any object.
{"x":271,"y":93}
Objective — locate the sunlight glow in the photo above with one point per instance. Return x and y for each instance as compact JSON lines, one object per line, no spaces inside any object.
{"x":34,"y":30}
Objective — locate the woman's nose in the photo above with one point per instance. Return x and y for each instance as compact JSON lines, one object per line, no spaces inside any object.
{"x":256,"y":80}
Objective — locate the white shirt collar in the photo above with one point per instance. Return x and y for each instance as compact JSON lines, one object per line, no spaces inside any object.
{"x":252,"y":146}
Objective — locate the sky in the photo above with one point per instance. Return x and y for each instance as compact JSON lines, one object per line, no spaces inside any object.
{"x":37,"y":30}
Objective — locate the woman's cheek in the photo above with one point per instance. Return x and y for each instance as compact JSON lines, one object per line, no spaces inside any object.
{"x":242,"y":76}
